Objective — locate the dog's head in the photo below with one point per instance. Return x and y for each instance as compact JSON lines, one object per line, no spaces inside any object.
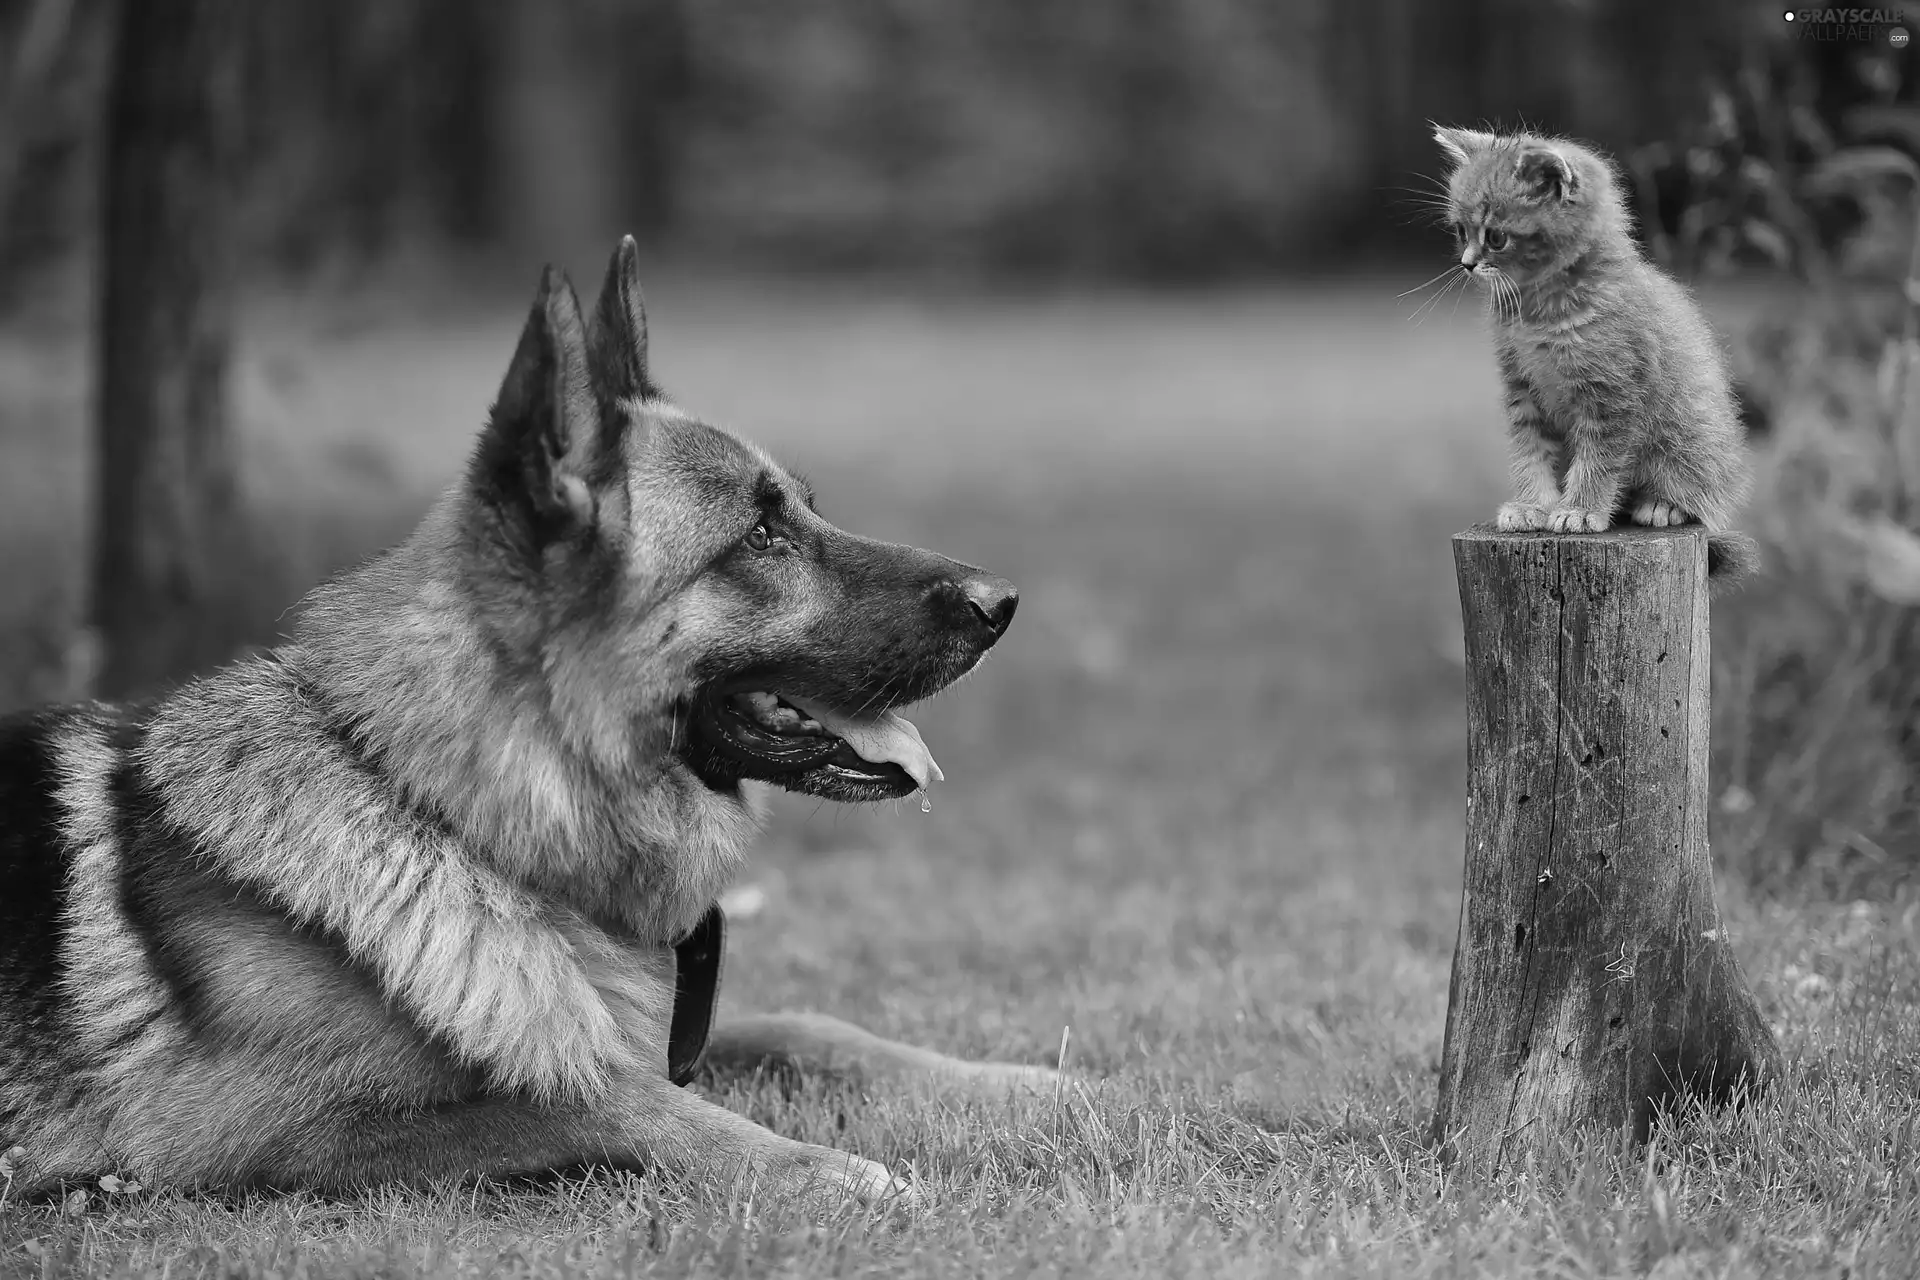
{"x":677,"y":589}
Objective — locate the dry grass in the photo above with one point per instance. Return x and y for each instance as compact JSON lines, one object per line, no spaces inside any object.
{"x":1204,"y":811}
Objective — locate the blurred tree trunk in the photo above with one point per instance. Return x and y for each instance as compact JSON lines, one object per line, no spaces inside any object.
{"x":1142,"y":100}
{"x":165,"y":482}
{"x":31,"y":135}
{"x":459,"y":139}
{"x":558,"y":141}
{"x":652,"y":102}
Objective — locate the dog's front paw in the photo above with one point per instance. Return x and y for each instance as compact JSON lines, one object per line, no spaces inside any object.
{"x":1660,"y":515}
{"x":1520,"y":517}
{"x":1578,"y":520}
{"x":820,"y":1169}
{"x":874,"y":1183}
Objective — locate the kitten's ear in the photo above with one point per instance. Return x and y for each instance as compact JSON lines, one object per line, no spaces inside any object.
{"x":1461,"y":145}
{"x":1545,"y":174}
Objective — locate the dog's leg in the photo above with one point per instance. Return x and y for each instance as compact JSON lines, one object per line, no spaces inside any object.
{"x":814,"y":1044}
{"x":647,"y":1124}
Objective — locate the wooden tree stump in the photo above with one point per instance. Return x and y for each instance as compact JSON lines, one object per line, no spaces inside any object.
{"x":1592,"y":980}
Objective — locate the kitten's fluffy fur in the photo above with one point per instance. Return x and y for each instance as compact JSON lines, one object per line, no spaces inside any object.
{"x":1617,"y":391}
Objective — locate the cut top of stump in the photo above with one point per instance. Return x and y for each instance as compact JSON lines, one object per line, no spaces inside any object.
{"x":1658,"y":570}
{"x":1627,"y":543}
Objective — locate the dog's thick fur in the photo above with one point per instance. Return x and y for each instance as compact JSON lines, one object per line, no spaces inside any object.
{"x":397,"y":901}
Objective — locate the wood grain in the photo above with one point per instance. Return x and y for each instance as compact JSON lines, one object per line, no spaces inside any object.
{"x":1592,"y":980}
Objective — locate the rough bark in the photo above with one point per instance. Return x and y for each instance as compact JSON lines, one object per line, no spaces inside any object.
{"x":1592,"y":982}
{"x":165,"y":479}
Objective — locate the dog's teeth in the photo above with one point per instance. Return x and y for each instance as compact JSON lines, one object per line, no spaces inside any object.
{"x":771,"y":712}
{"x":763,"y":707}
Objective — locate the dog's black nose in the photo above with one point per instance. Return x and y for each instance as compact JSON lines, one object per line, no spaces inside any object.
{"x":994,"y":600}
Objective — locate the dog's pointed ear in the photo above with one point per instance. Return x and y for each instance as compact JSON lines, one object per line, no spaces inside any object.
{"x":1545,"y":174}
{"x":1461,"y":145}
{"x":544,"y":417}
{"x":617,"y":334}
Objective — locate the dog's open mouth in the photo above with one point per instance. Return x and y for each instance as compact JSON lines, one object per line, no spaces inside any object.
{"x":806,"y":745}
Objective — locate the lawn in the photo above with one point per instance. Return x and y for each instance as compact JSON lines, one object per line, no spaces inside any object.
{"x":1201,"y":834}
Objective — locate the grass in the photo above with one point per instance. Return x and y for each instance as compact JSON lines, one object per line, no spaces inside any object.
{"x":1201,"y":837}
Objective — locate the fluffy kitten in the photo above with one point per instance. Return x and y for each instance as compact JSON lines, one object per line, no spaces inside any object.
{"x":1618,"y":397}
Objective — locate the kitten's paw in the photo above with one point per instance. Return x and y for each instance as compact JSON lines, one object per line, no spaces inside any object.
{"x":1520,"y":517}
{"x":1659,"y":515}
{"x":1578,"y":520}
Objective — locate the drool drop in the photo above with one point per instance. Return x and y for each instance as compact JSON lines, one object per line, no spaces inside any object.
{"x":926,"y":803}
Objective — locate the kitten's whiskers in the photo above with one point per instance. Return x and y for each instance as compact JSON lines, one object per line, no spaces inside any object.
{"x":1429,"y":284}
{"x":1503,"y":296}
{"x":1458,"y":278}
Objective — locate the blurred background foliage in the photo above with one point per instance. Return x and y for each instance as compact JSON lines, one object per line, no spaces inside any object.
{"x":1798,"y":161}
{"x":1143,"y":138}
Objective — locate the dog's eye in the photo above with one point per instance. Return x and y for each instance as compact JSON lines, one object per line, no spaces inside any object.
{"x":1496,"y":239}
{"x":759,"y":538}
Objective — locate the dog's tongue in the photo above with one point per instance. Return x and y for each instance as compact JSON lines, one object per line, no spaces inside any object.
{"x":882,"y":738}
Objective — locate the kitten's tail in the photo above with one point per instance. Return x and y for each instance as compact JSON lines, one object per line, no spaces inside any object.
{"x":1731,"y":559}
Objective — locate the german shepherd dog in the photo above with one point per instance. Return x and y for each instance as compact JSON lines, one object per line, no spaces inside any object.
{"x":428,"y":891}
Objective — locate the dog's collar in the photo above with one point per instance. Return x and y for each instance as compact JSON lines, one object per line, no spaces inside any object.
{"x":696,"y":992}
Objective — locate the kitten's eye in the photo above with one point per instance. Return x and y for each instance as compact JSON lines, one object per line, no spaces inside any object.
{"x":759,"y":538}
{"x":1496,"y":239}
